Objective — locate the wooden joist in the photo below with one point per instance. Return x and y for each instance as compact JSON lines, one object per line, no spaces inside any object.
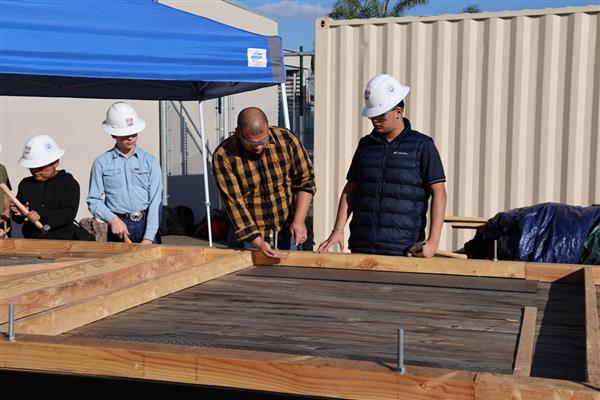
{"x":75,"y":290}
{"x":272,"y":372}
{"x":41,"y":246}
{"x":571,"y":273}
{"x":73,"y":315}
{"x":499,"y":269}
{"x":14,"y":287}
{"x":524,"y":357}
{"x":9,"y":272}
{"x":592,"y":329}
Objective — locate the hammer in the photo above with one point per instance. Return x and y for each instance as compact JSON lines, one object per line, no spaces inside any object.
{"x":22,"y":208}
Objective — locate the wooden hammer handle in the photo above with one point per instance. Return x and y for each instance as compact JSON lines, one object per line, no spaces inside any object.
{"x":19,"y":205}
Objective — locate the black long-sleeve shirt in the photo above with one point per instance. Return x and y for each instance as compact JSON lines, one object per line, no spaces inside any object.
{"x":57,"y":202}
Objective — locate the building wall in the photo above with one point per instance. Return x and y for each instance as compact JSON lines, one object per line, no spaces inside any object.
{"x":75,"y":123}
{"x":512,"y":100}
{"x":227,"y":13}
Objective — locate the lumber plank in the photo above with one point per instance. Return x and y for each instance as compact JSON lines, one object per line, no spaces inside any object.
{"x":71,"y":316}
{"x":12,"y":270}
{"x":272,"y":372}
{"x":42,"y":246}
{"x":524,"y":357}
{"x":571,"y":273}
{"x":465,"y":225}
{"x":507,"y":387}
{"x":592,"y":329}
{"x":500,"y":269}
{"x":54,"y":296}
{"x":14,"y":287}
{"x":454,"y":218}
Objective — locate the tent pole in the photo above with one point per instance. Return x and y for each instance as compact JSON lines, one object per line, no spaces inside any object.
{"x":162,"y":105}
{"x":204,"y":163}
{"x":284,"y":104}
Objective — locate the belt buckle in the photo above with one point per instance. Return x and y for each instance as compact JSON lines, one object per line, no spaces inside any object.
{"x":136,"y":216}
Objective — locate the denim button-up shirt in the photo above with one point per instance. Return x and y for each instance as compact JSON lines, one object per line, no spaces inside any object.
{"x":122,"y":185}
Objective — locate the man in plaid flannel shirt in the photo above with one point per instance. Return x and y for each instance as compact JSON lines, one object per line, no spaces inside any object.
{"x":266,"y":182}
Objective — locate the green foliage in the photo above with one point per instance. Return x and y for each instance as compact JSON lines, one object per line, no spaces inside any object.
{"x":472,"y":9}
{"x":350,"y":9}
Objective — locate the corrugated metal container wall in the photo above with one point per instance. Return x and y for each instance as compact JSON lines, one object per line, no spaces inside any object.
{"x":511,"y":99}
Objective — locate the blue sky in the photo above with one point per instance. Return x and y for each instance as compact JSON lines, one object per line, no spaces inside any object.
{"x":296,"y":17}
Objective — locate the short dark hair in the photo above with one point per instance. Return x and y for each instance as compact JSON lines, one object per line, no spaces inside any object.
{"x":401,"y":104}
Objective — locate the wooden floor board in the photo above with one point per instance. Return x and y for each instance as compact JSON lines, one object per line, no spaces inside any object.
{"x":454,"y":328}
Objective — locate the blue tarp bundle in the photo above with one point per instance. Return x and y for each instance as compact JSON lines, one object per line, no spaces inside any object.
{"x":132,"y":49}
{"x":548,"y":232}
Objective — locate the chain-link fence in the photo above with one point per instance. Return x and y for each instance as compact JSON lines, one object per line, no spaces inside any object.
{"x":184,"y":165}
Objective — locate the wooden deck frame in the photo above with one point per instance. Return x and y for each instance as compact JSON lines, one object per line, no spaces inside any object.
{"x":592,"y":329}
{"x":286,"y":373}
{"x":524,"y":357}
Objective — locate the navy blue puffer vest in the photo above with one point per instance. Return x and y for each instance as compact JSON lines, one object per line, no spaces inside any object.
{"x":390,"y":205}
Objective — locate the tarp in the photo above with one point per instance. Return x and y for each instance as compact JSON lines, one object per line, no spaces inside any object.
{"x":129,"y":49}
{"x":547,"y":232}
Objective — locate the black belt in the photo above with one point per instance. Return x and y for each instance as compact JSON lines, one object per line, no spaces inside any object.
{"x":134,"y":216}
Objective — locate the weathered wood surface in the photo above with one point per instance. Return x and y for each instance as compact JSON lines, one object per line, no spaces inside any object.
{"x":445,"y":327}
{"x":74,"y":315}
{"x":80,"y":289}
{"x":433,"y":280}
{"x":592,"y":329}
{"x":524,"y":357}
{"x":273,"y":372}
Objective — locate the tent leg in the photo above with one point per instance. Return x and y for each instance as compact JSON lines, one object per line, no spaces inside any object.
{"x":163,"y":150}
{"x":284,"y":104}
{"x":204,"y":163}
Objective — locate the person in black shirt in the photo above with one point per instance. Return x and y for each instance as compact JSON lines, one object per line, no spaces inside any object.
{"x":50,"y":194}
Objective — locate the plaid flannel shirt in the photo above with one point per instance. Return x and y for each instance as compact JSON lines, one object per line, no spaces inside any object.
{"x":258,"y":191}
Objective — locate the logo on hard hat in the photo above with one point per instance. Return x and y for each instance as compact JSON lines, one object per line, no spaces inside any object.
{"x":391,"y":89}
{"x":27,"y":149}
{"x":129,"y":121}
{"x":48,"y":146}
{"x":367,"y":94}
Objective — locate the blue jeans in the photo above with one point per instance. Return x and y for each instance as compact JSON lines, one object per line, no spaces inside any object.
{"x":284,"y":242}
{"x":136,"y":232}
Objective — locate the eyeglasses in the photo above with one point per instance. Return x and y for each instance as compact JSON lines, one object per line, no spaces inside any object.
{"x":382,"y":117}
{"x":251,"y":143}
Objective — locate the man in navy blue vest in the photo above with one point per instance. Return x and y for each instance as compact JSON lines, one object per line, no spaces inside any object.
{"x":394,"y":172}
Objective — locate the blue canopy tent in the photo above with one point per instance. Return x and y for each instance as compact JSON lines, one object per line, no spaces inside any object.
{"x":129,"y":49}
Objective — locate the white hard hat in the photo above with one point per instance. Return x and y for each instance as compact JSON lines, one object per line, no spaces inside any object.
{"x":383,"y":92}
{"x":40,"y":150}
{"x":122,"y":120}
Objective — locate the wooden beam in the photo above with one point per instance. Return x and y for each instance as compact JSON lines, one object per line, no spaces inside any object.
{"x":523,"y":360}
{"x":12,"y":270}
{"x":465,"y":225}
{"x":71,"y":316}
{"x":592,"y":329}
{"x":42,"y":246}
{"x":571,"y":273}
{"x":500,"y":269}
{"x":454,"y":218}
{"x":14,"y":287}
{"x":65,"y":293}
{"x":506,"y":387}
{"x":271,"y":372}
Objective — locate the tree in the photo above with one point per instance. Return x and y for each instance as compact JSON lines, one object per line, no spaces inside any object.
{"x":350,"y":9}
{"x":472,"y":9}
